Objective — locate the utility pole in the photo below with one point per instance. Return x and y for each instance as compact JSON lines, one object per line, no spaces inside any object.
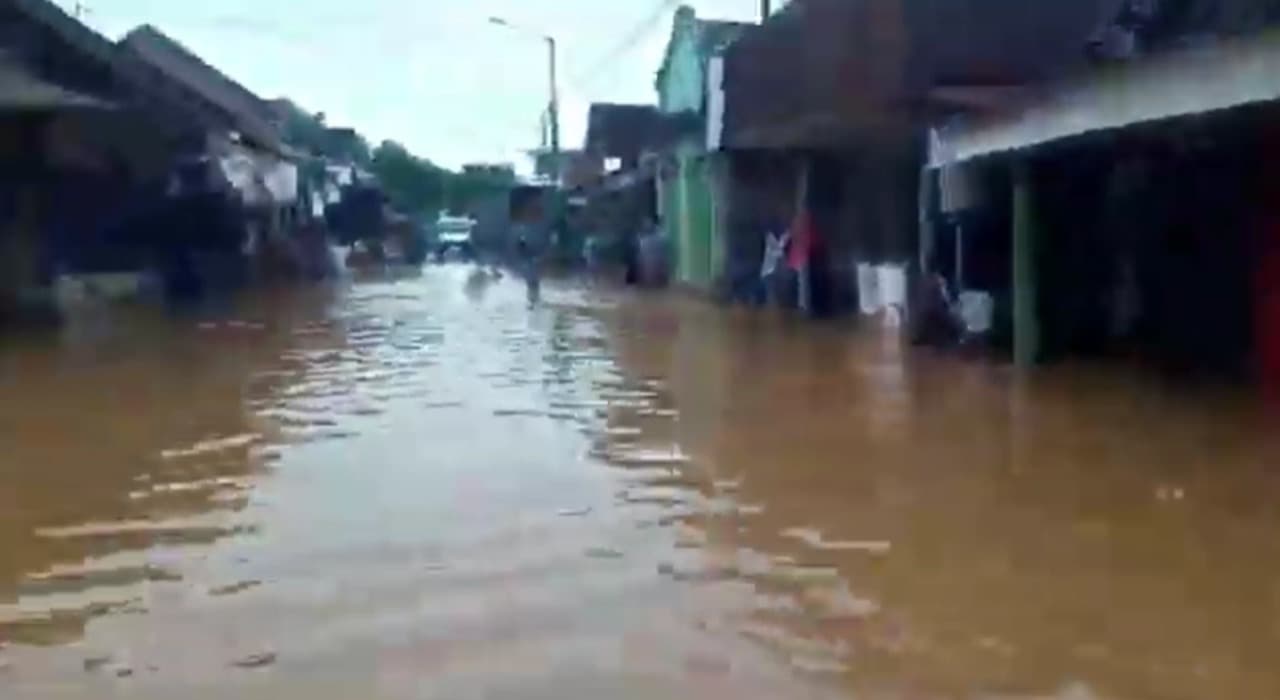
{"x":766,"y":9}
{"x":80,"y":10}
{"x":555,"y":111}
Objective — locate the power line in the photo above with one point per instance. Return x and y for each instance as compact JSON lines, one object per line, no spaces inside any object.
{"x":280,"y":32}
{"x":269,"y":29}
{"x":628,"y":43}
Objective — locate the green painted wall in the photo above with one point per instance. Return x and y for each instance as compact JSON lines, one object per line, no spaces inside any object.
{"x":675,"y":227}
{"x":689,"y":192}
{"x":684,"y":82}
{"x":697,"y":223}
{"x":716,"y":178}
{"x":689,"y":219}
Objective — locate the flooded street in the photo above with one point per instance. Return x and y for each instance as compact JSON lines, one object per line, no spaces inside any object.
{"x":421,"y":487}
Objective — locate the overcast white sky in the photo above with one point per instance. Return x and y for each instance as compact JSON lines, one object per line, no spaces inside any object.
{"x":433,"y":74}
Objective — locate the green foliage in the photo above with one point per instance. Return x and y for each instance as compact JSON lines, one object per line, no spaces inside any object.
{"x":474,"y":185}
{"x":418,"y":186}
{"x":415,"y":186}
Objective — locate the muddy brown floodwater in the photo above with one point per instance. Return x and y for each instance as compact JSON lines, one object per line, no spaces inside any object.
{"x":420,"y":487}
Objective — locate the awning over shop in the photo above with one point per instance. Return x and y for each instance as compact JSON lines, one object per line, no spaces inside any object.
{"x":625,"y":180}
{"x":260,"y":178}
{"x":1220,"y":76}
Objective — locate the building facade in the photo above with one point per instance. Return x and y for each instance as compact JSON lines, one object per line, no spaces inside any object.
{"x":1134,"y":198}
{"x":690,"y":179}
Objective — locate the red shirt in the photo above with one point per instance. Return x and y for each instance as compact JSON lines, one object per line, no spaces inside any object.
{"x":804,"y":239}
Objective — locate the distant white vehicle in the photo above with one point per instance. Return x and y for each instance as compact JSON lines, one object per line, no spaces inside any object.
{"x":453,"y":234}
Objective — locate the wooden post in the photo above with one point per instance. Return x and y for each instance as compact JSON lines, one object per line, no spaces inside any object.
{"x":804,"y":293}
{"x":1026,"y":311}
{"x":684,"y":238}
{"x":926,"y":215}
{"x":920,"y":275}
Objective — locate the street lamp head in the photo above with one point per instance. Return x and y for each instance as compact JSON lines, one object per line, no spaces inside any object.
{"x":498,"y":21}
{"x":554,"y":110}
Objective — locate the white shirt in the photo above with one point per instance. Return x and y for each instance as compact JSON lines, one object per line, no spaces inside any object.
{"x":775,"y":249}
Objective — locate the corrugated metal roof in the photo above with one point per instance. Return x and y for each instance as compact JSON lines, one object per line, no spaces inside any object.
{"x":20,"y":90}
{"x":248,"y":113}
{"x":823,"y":72}
{"x":59,"y":49}
{"x":716,"y":35}
{"x":72,"y":31}
{"x":621,"y":130}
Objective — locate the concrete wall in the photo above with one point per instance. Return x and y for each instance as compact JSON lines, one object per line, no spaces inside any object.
{"x":715,"y":103}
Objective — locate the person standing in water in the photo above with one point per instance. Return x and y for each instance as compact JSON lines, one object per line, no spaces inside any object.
{"x":530,"y":238}
{"x":531,"y":249}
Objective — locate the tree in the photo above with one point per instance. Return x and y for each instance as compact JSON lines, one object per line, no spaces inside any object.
{"x":477,"y":183}
{"x":415,"y":186}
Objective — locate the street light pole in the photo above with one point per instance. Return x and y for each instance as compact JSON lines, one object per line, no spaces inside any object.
{"x":553,"y":108}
